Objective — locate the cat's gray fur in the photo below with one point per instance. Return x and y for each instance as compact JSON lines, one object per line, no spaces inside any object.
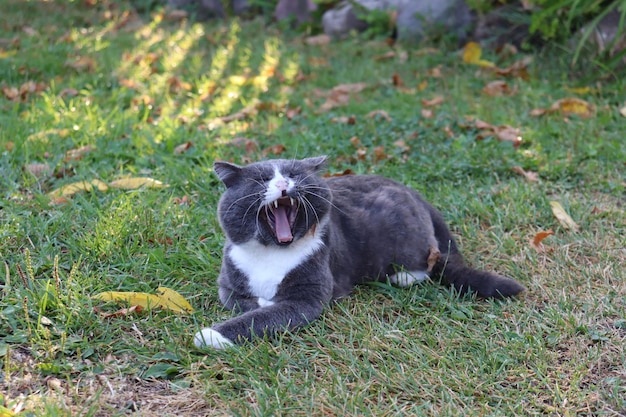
{"x":295,"y":241}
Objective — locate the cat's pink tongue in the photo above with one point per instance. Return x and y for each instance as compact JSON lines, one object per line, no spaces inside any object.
{"x":283,"y":230}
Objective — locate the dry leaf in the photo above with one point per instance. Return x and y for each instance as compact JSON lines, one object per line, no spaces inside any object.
{"x":83,"y":63}
{"x":350,"y":120}
{"x":540,"y":236}
{"x":427,"y":113}
{"x":123,"y":312}
{"x":78,"y":153}
{"x":134,"y":183}
{"x":339,"y":174}
{"x":355,"y":141}
{"x":433,"y":257}
{"x":388,"y":55}
{"x":275,"y":149}
{"x":401,"y":144}
{"x":498,"y":88}
{"x":175,"y":85}
{"x":562,"y":216}
{"x":435,"y":101}
{"x":132,"y":84}
{"x":70,"y":92}
{"x":380,"y":113}
{"x":318,"y":40}
{"x":397,"y":80}
{"x":472,"y":53}
{"x":182,"y":148}
{"x":538,"y":112}
{"x":622,"y":111}
{"x":529,"y":175}
{"x":435,"y":72}
{"x":38,"y":170}
{"x":293,"y":112}
{"x":379,"y":153}
{"x":518,"y":69}
{"x":573,"y":105}
{"x":166,"y":298}
{"x":69,"y":190}
{"x":578,"y":90}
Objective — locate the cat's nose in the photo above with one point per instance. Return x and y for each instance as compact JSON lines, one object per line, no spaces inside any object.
{"x":281,"y":184}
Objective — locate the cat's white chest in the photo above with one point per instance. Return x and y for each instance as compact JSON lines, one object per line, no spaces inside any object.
{"x":267,"y":266}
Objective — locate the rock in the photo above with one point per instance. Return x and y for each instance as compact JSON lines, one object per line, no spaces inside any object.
{"x":339,"y":21}
{"x":415,"y":18}
{"x":300,"y":10}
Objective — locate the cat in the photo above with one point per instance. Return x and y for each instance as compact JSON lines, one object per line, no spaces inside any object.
{"x":296,"y":240}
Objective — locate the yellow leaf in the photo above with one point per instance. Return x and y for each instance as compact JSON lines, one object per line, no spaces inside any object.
{"x":69,"y":190}
{"x":136,"y":182}
{"x":7,"y":54}
{"x":563,"y":218}
{"x":578,"y":90}
{"x":472,"y":53}
{"x":573,"y":105}
{"x":174,"y":300}
{"x":166,"y":299}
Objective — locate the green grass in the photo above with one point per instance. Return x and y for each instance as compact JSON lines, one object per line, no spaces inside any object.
{"x":558,"y":350}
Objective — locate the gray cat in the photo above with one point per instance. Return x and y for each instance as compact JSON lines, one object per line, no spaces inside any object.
{"x":296,"y":241}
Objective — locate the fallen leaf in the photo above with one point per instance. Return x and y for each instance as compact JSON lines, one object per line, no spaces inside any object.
{"x":538,"y":112}
{"x":69,"y":190}
{"x":339,"y":95}
{"x":355,"y":141}
{"x":30,"y":31}
{"x":529,"y":175}
{"x":318,"y":40}
{"x":175,"y":85}
{"x":293,"y":112}
{"x":498,"y":88}
{"x":70,"y":92}
{"x":518,"y":69}
{"x":435,"y":101}
{"x":380,"y":113}
{"x":134,"y":183}
{"x":401,"y":144}
{"x":435,"y":72}
{"x":422,"y":85}
{"x":274,"y":149}
{"x":318,"y":62}
{"x":562,"y":216}
{"x":387,"y":55}
{"x":132,"y":84}
{"x":350,"y":120}
{"x":182,"y":148}
{"x":622,"y":111}
{"x":426,"y":51}
{"x":83,"y":63}
{"x":175,"y":15}
{"x":11,"y":93}
{"x":123,"y":312}
{"x":540,"y":236}
{"x":347,"y":171}
{"x":38,"y":170}
{"x":433,"y":257}
{"x":573,"y":105}
{"x":427,"y":113}
{"x":379,"y":153}
{"x":578,"y":90}
{"x":78,"y":153}
{"x":508,"y":134}
{"x":166,"y":299}
{"x":472,"y":53}
{"x":397,"y":80}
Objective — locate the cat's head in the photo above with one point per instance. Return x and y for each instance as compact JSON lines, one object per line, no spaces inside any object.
{"x":275,"y":202}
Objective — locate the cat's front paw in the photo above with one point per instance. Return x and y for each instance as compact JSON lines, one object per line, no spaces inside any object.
{"x":211,"y":338}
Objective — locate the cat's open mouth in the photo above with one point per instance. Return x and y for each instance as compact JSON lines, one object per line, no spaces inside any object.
{"x":281,"y":215}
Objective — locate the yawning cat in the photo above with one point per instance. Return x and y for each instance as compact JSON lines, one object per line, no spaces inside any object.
{"x":295,"y":241}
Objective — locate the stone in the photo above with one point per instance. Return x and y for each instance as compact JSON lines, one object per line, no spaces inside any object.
{"x":415,"y":18}
{"x":300,"y":10}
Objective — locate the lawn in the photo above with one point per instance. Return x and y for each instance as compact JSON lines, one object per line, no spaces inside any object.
{"x":93,"y":92}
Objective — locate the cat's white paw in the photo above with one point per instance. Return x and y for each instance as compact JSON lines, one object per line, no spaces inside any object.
{"x":406,"y":278}
{"x":211,"y":338}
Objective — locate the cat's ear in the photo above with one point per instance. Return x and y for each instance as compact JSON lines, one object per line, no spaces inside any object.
{"x":316,"y":163}
{"x":228,"y":173}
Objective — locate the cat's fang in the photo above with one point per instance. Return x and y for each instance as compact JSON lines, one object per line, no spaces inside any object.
{"x":275,"y":203}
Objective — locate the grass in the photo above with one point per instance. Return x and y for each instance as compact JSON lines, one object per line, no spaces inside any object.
{"x":135,"y":87}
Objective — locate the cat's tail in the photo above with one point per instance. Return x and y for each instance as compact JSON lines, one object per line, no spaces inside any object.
{"x":453,"y":270}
